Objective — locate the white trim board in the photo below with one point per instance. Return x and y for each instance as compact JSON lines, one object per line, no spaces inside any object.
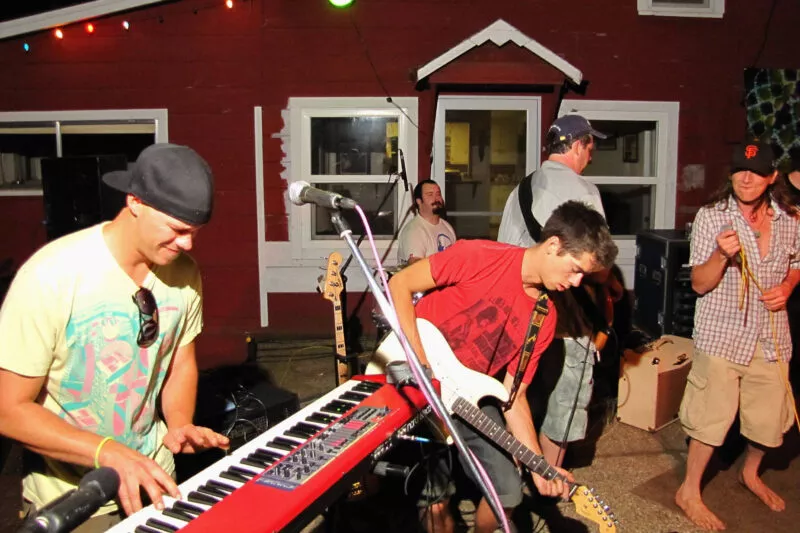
{"x":68,"y":15}
{"x":500,"y":32}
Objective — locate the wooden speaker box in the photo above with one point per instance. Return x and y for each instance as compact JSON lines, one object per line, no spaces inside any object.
{"x":651,"y":382}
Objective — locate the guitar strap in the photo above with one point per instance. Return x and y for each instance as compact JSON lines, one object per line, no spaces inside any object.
{"x":538,"y":315}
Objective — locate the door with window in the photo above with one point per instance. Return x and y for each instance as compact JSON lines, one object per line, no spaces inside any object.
{"x":482,"y":147}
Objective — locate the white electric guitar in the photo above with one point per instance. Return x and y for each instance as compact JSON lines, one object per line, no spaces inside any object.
{"x":461,"y":390}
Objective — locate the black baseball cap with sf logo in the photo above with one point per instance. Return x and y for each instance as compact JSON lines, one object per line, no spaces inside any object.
{"x":755,"y":156}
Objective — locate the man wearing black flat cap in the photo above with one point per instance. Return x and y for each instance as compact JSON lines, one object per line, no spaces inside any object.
{"x":97,"y":339}
{"x":741,"y":330}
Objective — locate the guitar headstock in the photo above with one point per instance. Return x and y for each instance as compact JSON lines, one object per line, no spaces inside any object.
{"x":589,"y":505}
{"x":333,"y":281}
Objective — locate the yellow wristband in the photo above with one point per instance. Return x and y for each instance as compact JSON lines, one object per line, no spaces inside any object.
{"x":97,"y":451}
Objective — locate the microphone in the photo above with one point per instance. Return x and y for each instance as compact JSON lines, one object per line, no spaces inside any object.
{"x":403,"y":173}
{"x":73,"y":508}
{"x":301,"y":192}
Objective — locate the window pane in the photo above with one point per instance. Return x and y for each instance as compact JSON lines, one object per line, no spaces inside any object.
{"x":21,"y":155}
{"x":484,"y":160}
{"x":369,"y":196}
{"x":129,"y":144}
{"x":630,"y":149}
{"x":629,"y":208}
{"x":354,"y":145}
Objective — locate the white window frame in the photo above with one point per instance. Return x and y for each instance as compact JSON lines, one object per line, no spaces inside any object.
{"x":714,"y":9}
{"x":665,"y":115}
{"x":85,"y":117}
{"x":532,"y":105}
{"x":301,"y":111}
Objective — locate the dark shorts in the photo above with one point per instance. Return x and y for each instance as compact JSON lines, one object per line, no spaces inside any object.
{"x":499,"y":466}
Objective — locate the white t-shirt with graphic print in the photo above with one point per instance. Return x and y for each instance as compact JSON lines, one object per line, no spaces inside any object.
{"x":421,"y":239}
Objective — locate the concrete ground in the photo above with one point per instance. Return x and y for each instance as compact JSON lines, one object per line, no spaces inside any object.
{"x":635,"y":471}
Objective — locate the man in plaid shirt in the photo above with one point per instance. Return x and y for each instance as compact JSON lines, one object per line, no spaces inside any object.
{"x":740,"y":332}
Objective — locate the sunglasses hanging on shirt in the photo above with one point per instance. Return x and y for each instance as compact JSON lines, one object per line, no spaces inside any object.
{"x":148,"y":317}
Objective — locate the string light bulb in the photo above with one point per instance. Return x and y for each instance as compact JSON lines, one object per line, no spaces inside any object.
{"x":90,"y":28}
{"x":126,"y":25}
{"x":340,"y":3}
{"x":26,"y":47}
{"x":229,"y":4}
{"x":58,"y":33}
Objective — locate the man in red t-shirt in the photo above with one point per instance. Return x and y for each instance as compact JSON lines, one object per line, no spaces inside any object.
{"x":485,"y":294}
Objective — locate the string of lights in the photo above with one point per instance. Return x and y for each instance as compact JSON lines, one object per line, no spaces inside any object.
{"x":91,"y":27}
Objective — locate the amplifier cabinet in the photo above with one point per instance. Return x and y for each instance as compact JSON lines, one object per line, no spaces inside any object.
{"x":651,"y":382}
{"x":664,"y":299}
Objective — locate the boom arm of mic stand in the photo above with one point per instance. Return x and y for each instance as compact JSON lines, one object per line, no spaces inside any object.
{"x":377,"y":210}
{"x":345,"y":233}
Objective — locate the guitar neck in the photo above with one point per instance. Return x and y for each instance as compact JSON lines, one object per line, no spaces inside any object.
{"x":489,"y":428}
{"x":339,"y":326}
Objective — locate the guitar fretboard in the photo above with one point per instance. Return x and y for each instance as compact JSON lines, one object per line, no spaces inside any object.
{"x":488,"y":427}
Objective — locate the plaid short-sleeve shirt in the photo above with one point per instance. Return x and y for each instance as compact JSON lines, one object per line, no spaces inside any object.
{"x":720,"y":327}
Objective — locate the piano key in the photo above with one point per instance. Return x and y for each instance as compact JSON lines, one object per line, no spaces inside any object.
{"x":160,"y":525}
{"x":336,"y":407}
{"x":198,"y":497}
{"x":321,"y":418}
{"x":254,"y":462}
{"x":220,"y":485}
{"x":233,"y":476}
{"x":242,"y":471}
{"x":211,"y":491}
{"x":145,"y":529}
{"x":283,"y":444}
{"x":180,"y":515}
{"x":267,"y":455}
{"x":188,"y":508}
{"x":357,"y":397}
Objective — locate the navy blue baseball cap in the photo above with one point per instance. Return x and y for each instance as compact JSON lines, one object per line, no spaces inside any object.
{"x":573,"y":127}
{"x":171,"y":178}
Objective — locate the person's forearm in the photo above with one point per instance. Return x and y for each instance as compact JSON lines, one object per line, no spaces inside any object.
{"x":519,"y":422}
{"x":44,"y":433}
{"x":791,"y":280}
{"x":179,"y":393}
{"x":707,"y":276}
{"x":402,"y":298}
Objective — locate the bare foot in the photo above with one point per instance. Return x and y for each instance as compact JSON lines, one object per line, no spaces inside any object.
{"x":697,"y":512}
{"x":764,"y":493}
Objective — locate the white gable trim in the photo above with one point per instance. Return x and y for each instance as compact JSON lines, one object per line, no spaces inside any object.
{"x":68,"y":15}
{"x":500,"y":32}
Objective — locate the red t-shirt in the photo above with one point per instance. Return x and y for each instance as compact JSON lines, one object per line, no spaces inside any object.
{"x":481,"y":308}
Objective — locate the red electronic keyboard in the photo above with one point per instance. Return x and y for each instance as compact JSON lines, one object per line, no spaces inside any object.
{"x":283,"y":478}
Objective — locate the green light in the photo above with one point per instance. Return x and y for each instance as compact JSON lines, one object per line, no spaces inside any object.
{"x":340,"y":3}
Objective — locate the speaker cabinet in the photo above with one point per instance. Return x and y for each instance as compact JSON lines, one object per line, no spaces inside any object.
{"x":651,"y":382}
{"x":664,"y":299}
{"x":75,"y":196}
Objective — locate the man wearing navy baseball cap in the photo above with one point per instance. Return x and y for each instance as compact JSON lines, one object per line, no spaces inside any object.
{"x":570,"y":142}
{"x":101,"y":325}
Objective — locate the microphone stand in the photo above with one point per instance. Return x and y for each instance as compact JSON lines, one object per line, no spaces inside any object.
{"x":348,"y":320}
{"x":346,"y":234}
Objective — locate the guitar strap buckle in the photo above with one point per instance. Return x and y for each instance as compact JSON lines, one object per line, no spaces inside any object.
{"x":538,"y":316}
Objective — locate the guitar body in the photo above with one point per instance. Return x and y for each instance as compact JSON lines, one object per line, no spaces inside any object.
{"x":461,"y":390}
{"x":456,"y":379}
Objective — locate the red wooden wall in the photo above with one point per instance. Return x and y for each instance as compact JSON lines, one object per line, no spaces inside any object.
{"x":209,"y":66}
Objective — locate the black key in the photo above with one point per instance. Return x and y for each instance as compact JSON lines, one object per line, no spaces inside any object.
{"x":243,"y":471}
{"x":322,"y":419}
{"x":198,"y":497}
{"x":354,"y":396}
{"x":145,"y":529}
{"x":188,"y":508}
{"x":220,"y":485}
{"x":178,"y":514}
{"x":233,"y":476}
{"x":267,"y":455}
{"x":308,"y":428}
{"x":337,"y":407}
{"x":283,"y":444}
{"x":368,"y":387}
{"x":255,"y":463}
{"x":298,"y":434}
{"x":160,"y":525}
{"x":212,"y":491}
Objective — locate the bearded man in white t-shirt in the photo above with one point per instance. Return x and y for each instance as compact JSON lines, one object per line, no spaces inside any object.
{"x":428,"y":232}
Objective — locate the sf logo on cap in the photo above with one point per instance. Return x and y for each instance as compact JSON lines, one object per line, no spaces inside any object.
{"x":750,"y":151}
